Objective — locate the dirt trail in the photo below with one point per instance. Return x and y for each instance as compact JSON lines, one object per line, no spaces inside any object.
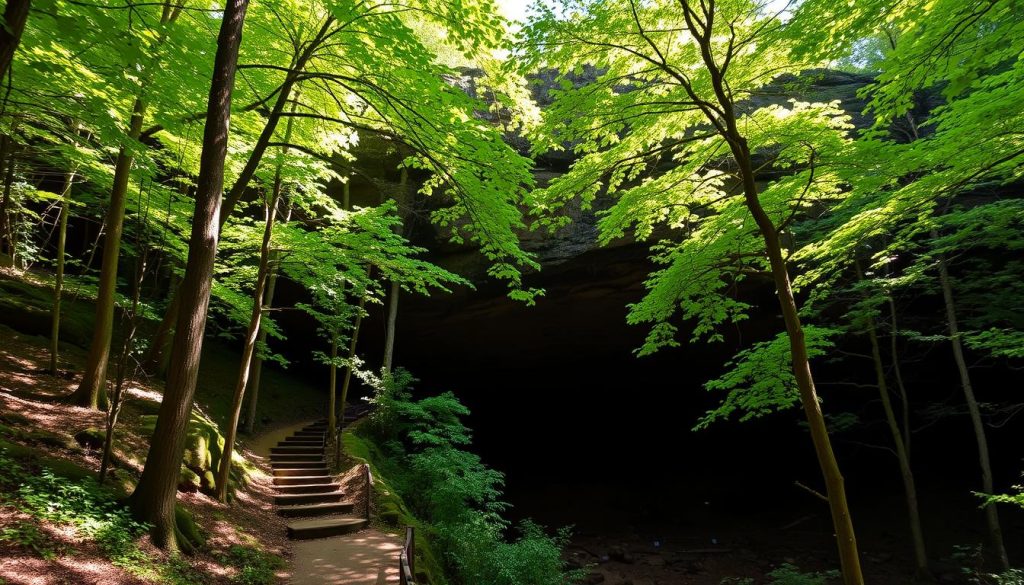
{"x":368,"y":557}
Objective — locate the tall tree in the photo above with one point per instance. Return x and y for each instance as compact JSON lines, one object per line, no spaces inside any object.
{"x":671,"y":76}
{"x":907,"y":180}
{"x":154,"y":497}
{"x":255,"y":323}
{"x":15,"y":16}
{"x":91,"y":392}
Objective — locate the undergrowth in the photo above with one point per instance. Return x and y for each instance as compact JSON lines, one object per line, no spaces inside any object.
{"x":96,"y":514}
{"x":421,"y":445}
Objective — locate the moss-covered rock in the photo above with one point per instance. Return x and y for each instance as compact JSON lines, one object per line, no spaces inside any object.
{"x":91,"y":438}
{"x":25,"y":307}
{"x":204,"y":446}
{"x":49,"y":439}
{"x":189,"y":481}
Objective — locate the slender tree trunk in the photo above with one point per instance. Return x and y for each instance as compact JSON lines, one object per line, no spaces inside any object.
{"x":347,"y":380}
{"x":7,"y":235}
{"x":5,"y":150}
{"x":153,"y":499}
{"x":58,"y":285}
{"x":257,"y":361}
{"x":91,"y":392}
{"x":396,"y":288}
{"x":15,"y":16}
{"x":834,"y":483}
{"x":902,"y":455}
{"x":255,"y":320}
{"x":392,"y":321}
{"x":995,"y":531}
{"x":165,"y":332}
{"x":898,"y":371}
{"x":332,"y":402}
{"x":846,"y":539}
{"x":119,"y":396}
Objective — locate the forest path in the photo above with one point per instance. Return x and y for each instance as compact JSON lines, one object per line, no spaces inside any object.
{"x":331,"y":546}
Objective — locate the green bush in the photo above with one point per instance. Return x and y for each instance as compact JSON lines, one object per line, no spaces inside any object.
{"x":421,"y":446}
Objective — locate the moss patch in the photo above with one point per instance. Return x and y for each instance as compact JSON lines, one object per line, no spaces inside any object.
{"x":391,"y":510}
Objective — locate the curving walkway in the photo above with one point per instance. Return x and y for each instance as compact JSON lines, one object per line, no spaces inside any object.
{"x":368,"y":557}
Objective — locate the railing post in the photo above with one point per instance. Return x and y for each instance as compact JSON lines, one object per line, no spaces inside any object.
{"x":410,"y":548}
{"x":369,"y":489}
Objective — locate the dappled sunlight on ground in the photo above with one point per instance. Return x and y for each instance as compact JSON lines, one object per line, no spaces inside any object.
{"x":366,"y":558}
{"x":33,"y":417}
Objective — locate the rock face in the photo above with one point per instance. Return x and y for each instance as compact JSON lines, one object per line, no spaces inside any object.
{"x":580,"y":237}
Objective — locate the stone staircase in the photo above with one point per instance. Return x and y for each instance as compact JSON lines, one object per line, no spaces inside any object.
{"x":307,"y":490}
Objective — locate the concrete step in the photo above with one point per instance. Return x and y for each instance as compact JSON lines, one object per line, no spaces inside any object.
{"x":324,"y":509}
{"x":308,"y":488}
{"x":287,"y":458}
{"x":301,"y":442}
{"x":302,"y":479}
{"x":299,"y":471}
{"x":299,"y":450}
{"x":298,"y":499}
{"x":300,"y":464}
{"x":321,"y":528}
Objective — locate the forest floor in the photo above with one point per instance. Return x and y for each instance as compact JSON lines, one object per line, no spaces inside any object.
{"x":36,"y":426}
{"x":42,"y":546}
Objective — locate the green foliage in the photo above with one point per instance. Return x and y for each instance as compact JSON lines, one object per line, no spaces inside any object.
{"x":28,"y":535}
{"x":253,"y":566}
{"x":91,"y":509}
{"x":788,"y":574}
{"x":421,"y":447}
{"x":760,"y":379}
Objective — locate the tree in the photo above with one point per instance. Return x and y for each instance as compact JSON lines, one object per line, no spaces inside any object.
{"x":154,"y":496}
{"x":255,"y":323}
{"x":15,"y":16}
{"x":91,"y":392}
{"x":672,"y":81}
{"x":906,"y":180}
{"x":397,"y":92}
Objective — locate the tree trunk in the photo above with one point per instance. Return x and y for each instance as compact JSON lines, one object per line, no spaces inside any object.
{"x":58,"y":284}
{"x":153,"y":498}
{"x":898,"y":371}
{"x":902,"y":455}
{"x":396,"y":289}
{"x":6,"y":227}
{"x":118,"y":396}
{"x":389,"y":336}
{"x":834,"y":484}
{"x":91,"y":392}
{"x":165,"y":333}
{"x":995,"y":531}
{"x":255,"y":320}
{"x":347,"y":380}
{"x":15,"y":16}
{"x":332,"y":404}
{"x":257,"y":361}
{"x":846,"y":539}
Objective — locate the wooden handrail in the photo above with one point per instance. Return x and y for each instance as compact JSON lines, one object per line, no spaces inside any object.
{"x":406,"y":558}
